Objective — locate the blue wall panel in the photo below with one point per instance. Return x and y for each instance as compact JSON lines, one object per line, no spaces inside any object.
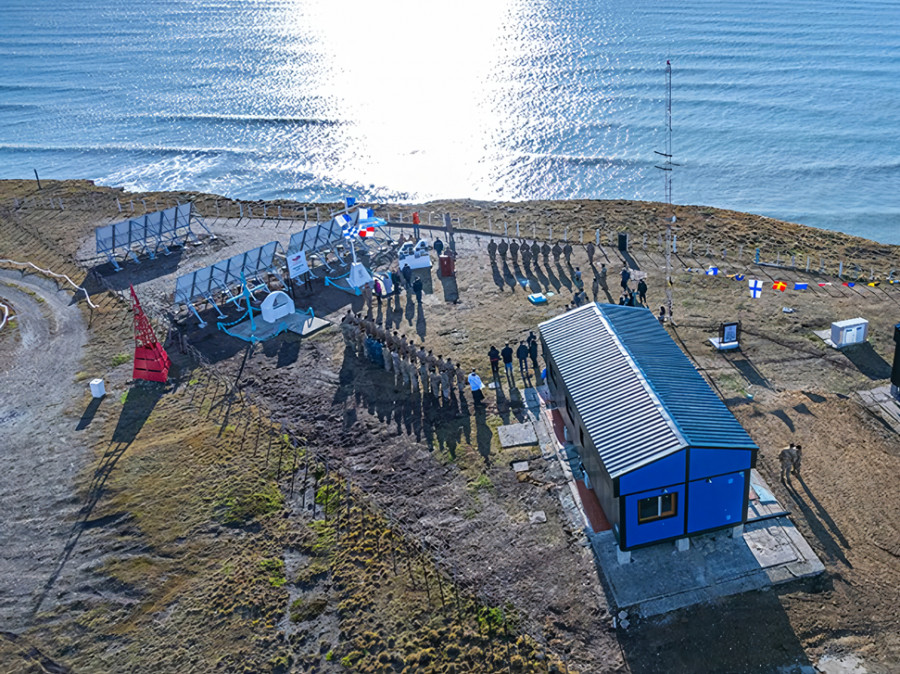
{"x":638,"y":534}
{"x":670,"y":470}
{"x":716,"y":502}
{"x":706,"y":462}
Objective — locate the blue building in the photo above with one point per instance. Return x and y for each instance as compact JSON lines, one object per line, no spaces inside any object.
{"x":661,"y":451}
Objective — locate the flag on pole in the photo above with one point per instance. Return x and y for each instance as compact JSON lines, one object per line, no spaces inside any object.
{"x":348,"y":229}
{"x":822,"y":285}
{"x":849,"y":284}
{"x":736,"y":277}
{"x":800,"y":286}
{"x":755,"y":288}
{"x":712,"y":271}
{"x":350,"y":201}
{"x":781,"y":286}
{"x":875,"y":284}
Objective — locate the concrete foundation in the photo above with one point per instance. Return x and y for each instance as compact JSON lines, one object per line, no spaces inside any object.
{"x":623,"y":556}
{"x":683,"y":544}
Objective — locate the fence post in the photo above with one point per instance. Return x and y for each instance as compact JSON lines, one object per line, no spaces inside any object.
{"x":551,"y":231}
{"x":241,"y":209}
{"x":317,"y":213}
{"x":675,"y":244}
{"x":777,"y":258}
{"x":506,"y":229}
{"x":305,"y":217}
{"x":793,"y":260}
{"x":581,"y":235}
{"x":517,"y":229}
{"x":566,"y":233}
{"x":132,"y":205}
{"x":249,"y":210}
{"x":644,"y":244}
{"x":691,"y":247}
{"x":757,"y":256}
{"x":740,"y":252}
{"x":821,"y":265}
{"x":490,"y":225}
{"x":707,"y":249}
{"x":724,"y":253}
{"x":597,"y":236}
{"x":118,"y":204}
{"x":807,"y":263}
{"x":841,"y":269}
{"x":265,"y":215}
{"x":534,"y":230}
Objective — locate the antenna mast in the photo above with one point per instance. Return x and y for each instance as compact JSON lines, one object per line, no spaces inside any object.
{"x":667,"y":167}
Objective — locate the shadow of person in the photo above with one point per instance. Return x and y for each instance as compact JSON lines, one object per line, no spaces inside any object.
{"x":543,"y":282}
{"x":552,"y":278}
{"x":420,"y":322}
{"x":497,"y":276}
{"x":483,"y":435}
{"x":410,"y":309}
{"x":508,"y":276}
{"x":821,"y":520}
{"x":564,"y":279}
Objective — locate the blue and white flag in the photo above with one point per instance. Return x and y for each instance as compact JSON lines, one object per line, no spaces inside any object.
{"x":350,"y":201}
{"x":348,"y":229}
{"x":712,"y":271}
{"x":738,"y":277}
{"x":800,"y":286}
{"x":755,"y":288}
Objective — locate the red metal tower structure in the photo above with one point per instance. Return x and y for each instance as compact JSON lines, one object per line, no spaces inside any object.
{"x":151,"y":362}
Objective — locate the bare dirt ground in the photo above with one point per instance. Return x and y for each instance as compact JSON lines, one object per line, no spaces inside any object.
{"x":437,"y":471}
{"x":42,"y":452}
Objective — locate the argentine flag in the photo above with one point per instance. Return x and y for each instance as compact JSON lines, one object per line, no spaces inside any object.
{"x":755,"y":288}
{"x":712,"y":271}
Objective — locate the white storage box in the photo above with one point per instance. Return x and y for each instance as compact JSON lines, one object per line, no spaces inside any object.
{"x":849,"y":332}
{"x":98,"y":389}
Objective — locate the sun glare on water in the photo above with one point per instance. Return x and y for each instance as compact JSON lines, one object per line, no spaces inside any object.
{"x":414,"y":88}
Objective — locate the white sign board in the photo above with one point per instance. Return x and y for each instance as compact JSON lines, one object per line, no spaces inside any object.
{"x":297,"y":264}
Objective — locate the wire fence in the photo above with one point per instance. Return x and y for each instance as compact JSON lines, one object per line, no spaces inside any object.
{"x":855,"y":259}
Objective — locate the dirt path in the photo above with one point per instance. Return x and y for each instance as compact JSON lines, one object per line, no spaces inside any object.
{"x":38,"y":501}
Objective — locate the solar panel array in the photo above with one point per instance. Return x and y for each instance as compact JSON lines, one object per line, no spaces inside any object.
{"x":148,"y":233}
{"x":221,"y":276}
{"x":316,"y":238}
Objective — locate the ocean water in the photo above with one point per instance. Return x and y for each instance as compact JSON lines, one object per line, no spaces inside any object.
{"x":789,"y":109}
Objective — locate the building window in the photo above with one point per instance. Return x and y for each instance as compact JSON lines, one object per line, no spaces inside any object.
{"x":657,"y":508}
{"x":569,"y":410}
{"x":581,"y":435}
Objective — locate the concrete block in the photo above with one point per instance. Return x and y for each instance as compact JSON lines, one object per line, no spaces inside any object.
{"x":515,"y":435}
{"x":537,"y":517}
{"x":737,"y":531}
{"x":520,"y":466}
{"x":683,"y":544}
{"x":623,"y":556}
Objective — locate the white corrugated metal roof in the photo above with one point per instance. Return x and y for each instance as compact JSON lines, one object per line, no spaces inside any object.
{"x":627,"y":422}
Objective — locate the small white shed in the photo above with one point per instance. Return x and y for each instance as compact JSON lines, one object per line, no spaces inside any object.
{"x":849,"y":332}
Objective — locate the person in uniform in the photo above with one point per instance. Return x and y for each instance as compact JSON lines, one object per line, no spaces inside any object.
{"x":445,"y":379}
{"x":398,"y":370}
{"x":460,"y":380}
{"x":435,"y":384}
{"x":367,"y":297}
{"x":526,"y":254}
{"x":423,"y":374}
{"x":567,"y":251}
{"x":591,"y":249}
{"x":492,"y":249}
{"x":602,"y":276}
{"x":535,"y":251}
{"x":514,"y":250}
{"x":787,"y":457}
{"x":502,"y":248}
